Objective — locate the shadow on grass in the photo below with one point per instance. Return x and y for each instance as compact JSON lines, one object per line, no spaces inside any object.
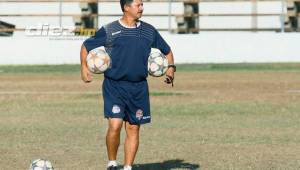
{"x":167,"y":165}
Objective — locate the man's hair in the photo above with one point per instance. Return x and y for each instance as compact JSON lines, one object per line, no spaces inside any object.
{"x":125,"y":2}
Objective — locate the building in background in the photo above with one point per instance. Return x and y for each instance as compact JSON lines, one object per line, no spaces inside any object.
{"x":9,"y":27}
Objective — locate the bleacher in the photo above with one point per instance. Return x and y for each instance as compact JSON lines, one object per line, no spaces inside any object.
{"x":176,"y":16}
{"x":223,"y":31}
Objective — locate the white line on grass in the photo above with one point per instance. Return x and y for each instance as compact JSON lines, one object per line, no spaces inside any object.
{"x":293,"y":91}
{"x":47,"y":92}
{"x":86,"y":92}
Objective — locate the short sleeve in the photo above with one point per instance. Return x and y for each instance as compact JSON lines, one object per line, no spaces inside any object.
{"x":160,"y":43}
{"x":96,"y":41}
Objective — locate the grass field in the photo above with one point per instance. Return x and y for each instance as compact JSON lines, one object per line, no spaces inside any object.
{"x":217,"y":117}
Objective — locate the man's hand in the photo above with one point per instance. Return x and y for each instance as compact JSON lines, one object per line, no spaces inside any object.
{"x":172,"y":68}
{"x":170,"y":76}
{"x":86,"y":75}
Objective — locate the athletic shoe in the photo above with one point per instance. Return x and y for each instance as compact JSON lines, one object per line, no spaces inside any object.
{"x":112,"y":168}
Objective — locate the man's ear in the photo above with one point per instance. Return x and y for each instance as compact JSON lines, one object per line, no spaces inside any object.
{"x":126,"y":7}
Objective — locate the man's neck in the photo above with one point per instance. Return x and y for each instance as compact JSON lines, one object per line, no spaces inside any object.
{"x":130,"y":22}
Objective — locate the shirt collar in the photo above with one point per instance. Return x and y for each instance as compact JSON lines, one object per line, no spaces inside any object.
{"x":137,"y":24}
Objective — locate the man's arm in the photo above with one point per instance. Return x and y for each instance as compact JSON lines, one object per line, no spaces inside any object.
{"x":86,"y":76}
{"x":162,"y":45}
{"x":93,"y":42}
{"x":171,"y":70}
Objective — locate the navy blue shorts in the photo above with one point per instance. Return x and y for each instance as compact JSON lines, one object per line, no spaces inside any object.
{"x":126,"y":100}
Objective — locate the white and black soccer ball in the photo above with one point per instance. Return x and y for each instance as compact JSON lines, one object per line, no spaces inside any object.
{"x":157,"y":63}
{"x":98,"y":61}
{"x":41,"y":164}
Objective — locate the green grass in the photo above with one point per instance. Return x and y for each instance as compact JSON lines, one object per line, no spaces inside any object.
{"x":13,"y":69}
{"x":241,"y":67}
{"x":213,"y":118}
{"x":68,"y":68}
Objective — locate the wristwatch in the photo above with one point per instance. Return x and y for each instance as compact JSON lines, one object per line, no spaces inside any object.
{"x":173,"y":66}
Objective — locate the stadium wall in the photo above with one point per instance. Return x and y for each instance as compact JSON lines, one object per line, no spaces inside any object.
{"x":206,"y":47}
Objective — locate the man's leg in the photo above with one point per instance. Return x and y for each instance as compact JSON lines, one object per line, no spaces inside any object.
{"x":113,"y":137}
{"x":131,"y":143}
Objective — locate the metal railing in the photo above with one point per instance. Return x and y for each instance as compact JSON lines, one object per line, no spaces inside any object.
{"x":90,"y":1}
{"x":253,"y":15}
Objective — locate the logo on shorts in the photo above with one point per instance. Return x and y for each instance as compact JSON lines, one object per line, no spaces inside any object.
{"x":116,"y":109}
{"x":139,"y":114}
{"x":146,"y":117}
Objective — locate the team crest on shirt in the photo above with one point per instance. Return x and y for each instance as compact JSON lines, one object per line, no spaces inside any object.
{"x":116,"y":109}
{"x":139,"y":114}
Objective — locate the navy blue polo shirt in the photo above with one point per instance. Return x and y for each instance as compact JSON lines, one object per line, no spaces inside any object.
{"x":129,"y":49}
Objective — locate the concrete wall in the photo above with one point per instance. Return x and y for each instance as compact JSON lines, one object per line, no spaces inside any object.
{"x":206,"y":47}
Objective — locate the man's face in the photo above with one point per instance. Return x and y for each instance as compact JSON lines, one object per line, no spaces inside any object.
{"x":135,"y":9}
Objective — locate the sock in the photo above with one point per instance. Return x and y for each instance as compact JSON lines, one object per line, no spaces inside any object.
{"x":112,"y":163}
{"x":127,"y":167}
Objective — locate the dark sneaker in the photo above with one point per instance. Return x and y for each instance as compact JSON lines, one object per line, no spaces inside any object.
{"x":112,"y":168}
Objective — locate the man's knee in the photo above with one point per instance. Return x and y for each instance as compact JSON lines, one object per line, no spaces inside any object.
{"x":132,"y":129}
{"x":115,"y":125}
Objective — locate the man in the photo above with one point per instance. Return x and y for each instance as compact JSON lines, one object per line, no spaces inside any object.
{"x":128,"y":41}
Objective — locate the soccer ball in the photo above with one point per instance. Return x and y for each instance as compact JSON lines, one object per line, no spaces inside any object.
{"x":157,"y":64}
{"x":98,"y":61}
{"x":41,"y":164}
